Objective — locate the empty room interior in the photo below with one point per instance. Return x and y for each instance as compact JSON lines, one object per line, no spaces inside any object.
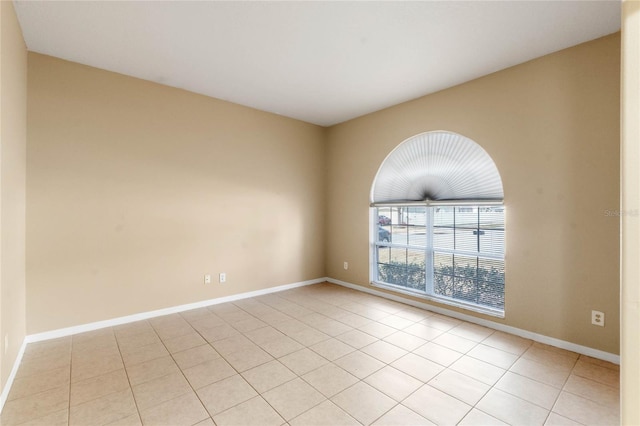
{"x":319,"y":213}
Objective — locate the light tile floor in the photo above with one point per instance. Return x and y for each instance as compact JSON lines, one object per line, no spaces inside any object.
{"x":316,"y":355}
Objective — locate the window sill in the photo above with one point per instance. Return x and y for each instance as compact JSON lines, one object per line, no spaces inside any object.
{"x":445,"y":301}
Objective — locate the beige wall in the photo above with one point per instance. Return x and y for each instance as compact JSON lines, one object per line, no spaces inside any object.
{"x":13,"y":140}
{"x":136,"y":190}
{"x":630,"y":174}
{"x":552,"y":127}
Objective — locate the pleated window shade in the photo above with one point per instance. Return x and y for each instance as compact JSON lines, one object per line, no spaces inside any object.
{"x":437,"y":166}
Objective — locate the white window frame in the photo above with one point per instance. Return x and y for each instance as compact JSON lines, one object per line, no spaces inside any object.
{"x":429,"y":294}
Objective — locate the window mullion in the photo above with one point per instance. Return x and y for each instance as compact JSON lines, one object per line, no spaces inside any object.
{"x":429,"y":258}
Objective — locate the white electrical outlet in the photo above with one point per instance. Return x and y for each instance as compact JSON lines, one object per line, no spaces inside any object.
{"x":346,"y":265}
{"x":223,"y":277}
{"x":6,"y":343}
{"x":597,"y":318}
{"x":207,"y":279}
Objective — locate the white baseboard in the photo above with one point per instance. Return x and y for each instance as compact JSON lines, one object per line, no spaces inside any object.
{"x":53,"y":334}
{"x":7,"y":387}
{"x":595,"y":353}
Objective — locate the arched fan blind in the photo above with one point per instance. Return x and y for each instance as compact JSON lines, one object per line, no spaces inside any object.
{"x":437,"y":166}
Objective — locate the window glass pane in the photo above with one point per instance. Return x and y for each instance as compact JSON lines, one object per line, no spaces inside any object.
{"x":491,"y":270}
{"x":466,"y":217}
{"x":384,"y":255}
{"x":465,"y":266}
{"x":384,"y":215}
{"x":466,"y":239}
{"x":416,"y":216}
{"x":443,"y":216}
{"x":399,"y":234}
{"x":383,"y":234}
{"x":443,"y":263}
{"x":443,"y":285}
{"x":491,"y":294}
{"x":443,"y":238}
{"x":465,"y":289}
{"x":492,"y":241}
{"x":418,"y":236}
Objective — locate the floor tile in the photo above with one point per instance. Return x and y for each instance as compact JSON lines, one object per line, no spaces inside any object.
{"x":263,"y":335}
{"x":42,"y":364}
{"x":555,"y":419}
{"x":332,"y":349}
{"x":194,"y":356}
{"x":418,"y":367}
{"x":384,"y":351}
{"x":327,"y":413}
{"x":303,"y":361}
{"x":439,"y":354}
{"x":233,"y":344}
{"x":128,"y":343}
{"x":156,"y":391}
{"x":494,"y":356}
{"x":131,"y":420}
{"x":185,"y":410}
{"x":460,"y":386}
{"x":308,"y":336}
{"x":441,"y":322}
{"x":45,"y":381}
{"x":268,"y":376}
{"x":219,"y":332}
{"x":184,"y":342}
{"x":356,"y":338}
{"x":479,"y":370}
{"x":293,"y":398}
{"x":595,"y":391}
{"x":544,"y":356}
{"x":95,"y":367}
{"x":330,"y":379}
{"x":224,"y":394}
{"x":476,"y":417}
{"x":58,"y":418}
{"x":597,"y":373}
{"x":454,"y":342}
{"x":150,"y":370}
{"x":470,"y":331}
{"x":511,"y":409}
{"x":246,"y":359}
{"x":359,"y":364}
{"x":104,"y":410}
{"x":396,"y":322}
{"x":406,"y":341}
{"x":393,"y":383}
{"x":208,"y":372}
{"x":552,"y":375}
{"x":402,"y":416}
{"x":508,"y":343}
{"x":528,"y":389}
{"x":35,"y":406}
{"x":437,"y":406}
{"x":377,"y":330}
{"x":585,"y":411}
{"x":99,"y":386}
{"x":281,"y":346}
{"x":363,"y":402}
{"x":254,"y":412}
{"x":54,"y":347}
{"x":423,"y":331}
{"x":144,"y":353}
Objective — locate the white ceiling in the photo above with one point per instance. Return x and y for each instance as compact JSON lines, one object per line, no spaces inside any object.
{"x":320,"y":62}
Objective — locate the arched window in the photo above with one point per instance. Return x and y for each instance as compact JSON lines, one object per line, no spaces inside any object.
{"x":438,"y":222}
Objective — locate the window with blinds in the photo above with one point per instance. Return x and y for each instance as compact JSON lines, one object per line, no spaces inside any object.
{"x":450,"y":249}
